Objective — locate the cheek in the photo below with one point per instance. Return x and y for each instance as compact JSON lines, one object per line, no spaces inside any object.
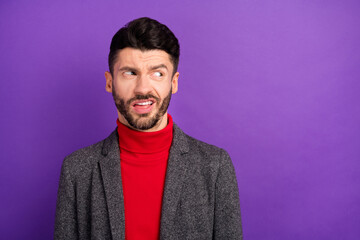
{"x":123,"y":90}
{"x":164,"y":91}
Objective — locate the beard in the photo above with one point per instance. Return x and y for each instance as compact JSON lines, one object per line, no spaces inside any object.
{"x":142,"y":121}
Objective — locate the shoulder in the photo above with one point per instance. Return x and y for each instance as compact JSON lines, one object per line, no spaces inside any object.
{"x":201,"y":151}
{"x":85,"y":158}
{"x":206,"y":164}
{"x":198,"y":146}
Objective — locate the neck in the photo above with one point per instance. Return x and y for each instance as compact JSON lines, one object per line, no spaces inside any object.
{"x":161,"y":124}
{"x":145,"y":142}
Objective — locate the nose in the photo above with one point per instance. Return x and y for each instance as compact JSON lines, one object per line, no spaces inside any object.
{"x":143,"y":85}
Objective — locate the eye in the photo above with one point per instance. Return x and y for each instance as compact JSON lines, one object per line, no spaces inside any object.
{"x":158,"y":74}
{"x":129,"y":73}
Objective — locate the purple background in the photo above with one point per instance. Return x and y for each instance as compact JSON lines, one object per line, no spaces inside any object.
{"x":276,"y":83}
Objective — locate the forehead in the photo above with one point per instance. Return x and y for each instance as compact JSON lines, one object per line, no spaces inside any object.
{"x":137,"y":58}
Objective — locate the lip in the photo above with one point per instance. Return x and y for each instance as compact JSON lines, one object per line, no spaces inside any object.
{"x":145,"y":108}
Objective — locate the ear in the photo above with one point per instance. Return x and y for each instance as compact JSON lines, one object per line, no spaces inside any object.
{"x":174,"y":82}
{"x":109,"y":79}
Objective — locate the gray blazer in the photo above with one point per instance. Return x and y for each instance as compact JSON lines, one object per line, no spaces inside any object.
{"x":200,"y":200}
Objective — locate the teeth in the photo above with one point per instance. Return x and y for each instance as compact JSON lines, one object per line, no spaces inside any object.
{"x":144,"y":103}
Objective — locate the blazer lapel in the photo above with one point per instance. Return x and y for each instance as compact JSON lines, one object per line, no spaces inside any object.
{"x":111,"y":174}
{"x":176,"y":170}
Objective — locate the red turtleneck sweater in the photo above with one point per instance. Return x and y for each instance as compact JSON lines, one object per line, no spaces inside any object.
{"x":144,"y":158}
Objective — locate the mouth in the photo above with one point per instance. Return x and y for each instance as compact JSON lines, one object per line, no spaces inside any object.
{"x":143,"y":106}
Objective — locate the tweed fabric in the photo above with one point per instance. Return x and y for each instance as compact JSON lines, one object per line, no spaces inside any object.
{"x":200,"y":200}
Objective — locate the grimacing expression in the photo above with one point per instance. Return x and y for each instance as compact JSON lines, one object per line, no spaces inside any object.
{"x":138,"y":122}
{"x":142,"y":84}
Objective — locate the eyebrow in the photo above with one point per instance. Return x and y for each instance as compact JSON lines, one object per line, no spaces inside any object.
{"x":158,"y":66}
{"x":127,"y":68}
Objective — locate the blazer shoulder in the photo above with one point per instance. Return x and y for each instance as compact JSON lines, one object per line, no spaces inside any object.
{"x":86,"y":157}
{"x":205,"y":148}
{"x":207,"y":153}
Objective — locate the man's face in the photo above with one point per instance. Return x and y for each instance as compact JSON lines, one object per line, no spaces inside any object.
{"x":142,"y":84}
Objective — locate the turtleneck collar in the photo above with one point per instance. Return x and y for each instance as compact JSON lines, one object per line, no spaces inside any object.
{"x":145,"y":142}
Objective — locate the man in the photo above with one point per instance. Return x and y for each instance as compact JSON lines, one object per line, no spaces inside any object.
{"x":148,"y":179}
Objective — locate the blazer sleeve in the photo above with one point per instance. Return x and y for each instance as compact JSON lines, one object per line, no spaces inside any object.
{"x":66,"y":219}
{"x":227,"y":220}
